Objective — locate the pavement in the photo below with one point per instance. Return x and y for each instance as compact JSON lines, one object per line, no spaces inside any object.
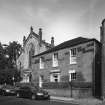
{"x":83,"y":101}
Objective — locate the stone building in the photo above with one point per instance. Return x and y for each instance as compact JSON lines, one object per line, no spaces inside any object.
{"x":77,"y":60}
{"x":74,"y":60}
{"x":32,"y":45}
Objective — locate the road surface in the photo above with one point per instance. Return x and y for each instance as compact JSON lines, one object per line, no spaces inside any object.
{"x":12,"y":100}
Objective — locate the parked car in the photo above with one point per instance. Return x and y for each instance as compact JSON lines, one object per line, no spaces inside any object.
{"x":8,"y":90}
{"x":32,"y":93}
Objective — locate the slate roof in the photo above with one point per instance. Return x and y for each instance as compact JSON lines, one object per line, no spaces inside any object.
{"x":66,"y":44}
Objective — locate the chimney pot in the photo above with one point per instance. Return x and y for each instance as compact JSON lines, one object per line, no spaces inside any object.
{"x":24,"y":39}
{"x":52,"y":41}
{"x":31,"y":29}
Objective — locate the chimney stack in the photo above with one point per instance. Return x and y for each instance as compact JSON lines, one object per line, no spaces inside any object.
{"x":31,"y":29}
{"x":24,"y":39}
{"x":40,"y":35}
{"x":52,"y":41}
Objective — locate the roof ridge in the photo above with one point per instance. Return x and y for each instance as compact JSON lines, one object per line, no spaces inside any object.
{"x":66,"y":44}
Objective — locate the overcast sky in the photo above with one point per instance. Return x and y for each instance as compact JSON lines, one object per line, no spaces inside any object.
{"x":63,"y":19}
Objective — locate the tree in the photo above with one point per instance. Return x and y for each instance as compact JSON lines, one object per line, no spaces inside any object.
{"x":3,"y":60}
{"x":13,"y":51}
{"x":9,"y":76}
{"x":8,"y":56}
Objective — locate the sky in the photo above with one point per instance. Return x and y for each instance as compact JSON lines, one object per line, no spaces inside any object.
{"x":62,"y":19}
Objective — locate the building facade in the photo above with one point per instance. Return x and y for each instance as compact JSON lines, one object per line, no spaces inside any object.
{"x":74,"y":60}
{"x":77,"y":60}
{"x":32,"y":45}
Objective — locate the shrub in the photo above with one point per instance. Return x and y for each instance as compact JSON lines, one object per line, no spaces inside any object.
{"x":54,"y":85}
{"x":80,"y":84}
{"x":62,"y":85}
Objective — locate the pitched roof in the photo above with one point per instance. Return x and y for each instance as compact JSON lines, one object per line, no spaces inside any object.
{"x":37,"y":36}
{"x":34,"y":34}
{"x":66,"y":44}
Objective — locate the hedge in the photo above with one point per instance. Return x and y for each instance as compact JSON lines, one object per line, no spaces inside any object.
{"x":81,"y":84}
{"x":54,"y":85}
{"x":61,"y":85}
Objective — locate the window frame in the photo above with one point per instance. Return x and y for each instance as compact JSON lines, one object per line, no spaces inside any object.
{"x":72,"y":75}
{"x":73,"y":56}
{"x":53,"y":78}
{"x":55,"y":59}
{"x":41,"y":63}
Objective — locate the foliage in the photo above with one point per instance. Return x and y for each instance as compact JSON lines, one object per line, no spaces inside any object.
{"x":3,"y":60}
{"x":8,"y":54}
{"x":13,"y":51}
{"x":9,"y":76}
{"x":62,"y":85}
{"x":80,"y":84}
{"x":56,"y":85}
{"x":24,"y":84}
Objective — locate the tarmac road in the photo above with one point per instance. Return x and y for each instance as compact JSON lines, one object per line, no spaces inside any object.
{"x":12,"y":100}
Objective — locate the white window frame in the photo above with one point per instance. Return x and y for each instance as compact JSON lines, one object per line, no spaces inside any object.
{"x":71,"y":72}
{"x":73,"y":58}
{"x":41,"y":63}
{"x":55,"y":60}
{"x":52,"y":78}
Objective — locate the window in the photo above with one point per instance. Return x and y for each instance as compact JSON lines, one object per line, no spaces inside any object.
{"x":73,"y":53}
{"x":72,"y":75}
{"x":55,"y":77}
{"x":55,"y":59}
{"x":42,"y":63}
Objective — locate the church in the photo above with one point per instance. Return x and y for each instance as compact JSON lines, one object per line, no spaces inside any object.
{"x":32,"y":45}
{"x":78,"y":59}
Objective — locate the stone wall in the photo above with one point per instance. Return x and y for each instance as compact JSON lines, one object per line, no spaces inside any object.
{"x":84,"y":66}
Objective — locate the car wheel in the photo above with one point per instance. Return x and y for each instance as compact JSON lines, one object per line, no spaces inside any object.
{"x":17,"y":95}
{"x":33,"y":97}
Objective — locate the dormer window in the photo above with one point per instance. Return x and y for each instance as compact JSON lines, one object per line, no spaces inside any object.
{"x":73,"y":54}
{"x":41,"y":62}
{"x":55,"y":59}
